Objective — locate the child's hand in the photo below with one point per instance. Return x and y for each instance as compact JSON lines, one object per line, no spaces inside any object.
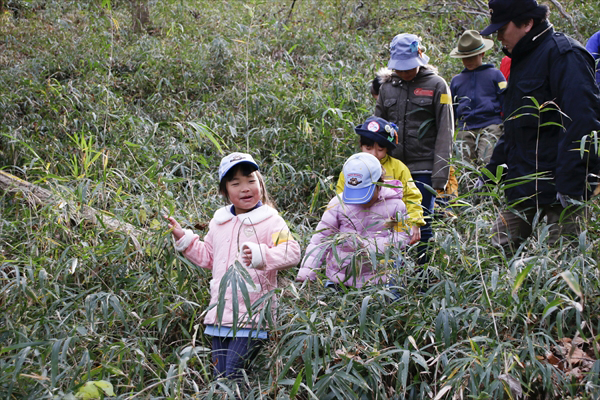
{"x":247,"y":256}
{"x":390,"y":223}
{"x":415,"y":234}
{"x":177,"y":232}
{"x":353,"y":242}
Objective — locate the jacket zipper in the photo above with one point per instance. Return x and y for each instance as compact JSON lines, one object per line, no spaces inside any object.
{"x":404,"y":126}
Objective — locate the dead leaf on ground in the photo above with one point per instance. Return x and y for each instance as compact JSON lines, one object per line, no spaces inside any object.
{"x":575,"y":357}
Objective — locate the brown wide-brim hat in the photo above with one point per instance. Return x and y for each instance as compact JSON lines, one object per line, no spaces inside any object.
{"x":471,"y":44}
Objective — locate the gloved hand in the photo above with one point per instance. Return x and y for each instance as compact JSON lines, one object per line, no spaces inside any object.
{"x":479,"y":184}
{"x":564,"y":199}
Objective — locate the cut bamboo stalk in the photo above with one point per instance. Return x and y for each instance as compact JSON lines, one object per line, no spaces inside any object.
{"x":38,"y":196}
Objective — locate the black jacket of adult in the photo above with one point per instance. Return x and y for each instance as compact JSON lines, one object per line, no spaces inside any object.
{"x":548,"y":66}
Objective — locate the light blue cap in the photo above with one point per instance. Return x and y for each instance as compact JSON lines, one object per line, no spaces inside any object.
{"x":404,"y":53}
{"x":361,"y":172}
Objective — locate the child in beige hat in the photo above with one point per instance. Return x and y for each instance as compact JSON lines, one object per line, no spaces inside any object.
{"x":477,"y":98}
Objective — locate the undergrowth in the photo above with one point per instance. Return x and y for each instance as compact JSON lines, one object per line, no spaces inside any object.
{"x":135,"y":125}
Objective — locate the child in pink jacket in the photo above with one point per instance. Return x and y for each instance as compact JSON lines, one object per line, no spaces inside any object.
{"x":248,"y":233}
{"x":369,"y":219}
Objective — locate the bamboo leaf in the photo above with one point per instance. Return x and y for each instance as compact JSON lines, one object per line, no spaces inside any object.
{"x":404,"y":362}
{"x":495,"y":275}
{"x":582,"y":145}
{"x":54,"y":361}
{"x":222,"y":295}
{"x":534,"y":100}
{"x":363,"y":314}
{"x":551,"y":307}
{"x":443,"y":392}
{"x":521,"y":278}
{"x":296,"y":386}
{"x":308,"y":360}
{"x":551,"y":123}
{"x":572,"y":282}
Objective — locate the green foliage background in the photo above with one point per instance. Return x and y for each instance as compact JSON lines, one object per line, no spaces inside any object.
{"x":136,"y":124}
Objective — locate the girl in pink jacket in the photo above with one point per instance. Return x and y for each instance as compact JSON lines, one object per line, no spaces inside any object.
{"x":250,"y":236}
{"x":370,"y":219}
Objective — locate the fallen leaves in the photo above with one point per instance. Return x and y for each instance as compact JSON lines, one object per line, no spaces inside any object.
{"x":575,"y":357}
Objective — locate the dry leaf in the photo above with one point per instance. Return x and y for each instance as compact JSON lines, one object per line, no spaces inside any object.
{"x":552,"y":359}
{"x":513,"y":384}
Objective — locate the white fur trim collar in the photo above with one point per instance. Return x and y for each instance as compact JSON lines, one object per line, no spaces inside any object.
{"x":384,"y":75}
{"x":255,"y":216}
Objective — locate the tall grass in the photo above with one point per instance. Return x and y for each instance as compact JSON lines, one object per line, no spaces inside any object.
{"x":135,"y":126}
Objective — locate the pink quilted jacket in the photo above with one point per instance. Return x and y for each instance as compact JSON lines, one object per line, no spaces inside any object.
{"x":352,"y":232}
{"x":273,"y":248}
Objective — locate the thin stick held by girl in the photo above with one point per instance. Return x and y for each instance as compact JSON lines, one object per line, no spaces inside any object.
{"x":249,"y":232}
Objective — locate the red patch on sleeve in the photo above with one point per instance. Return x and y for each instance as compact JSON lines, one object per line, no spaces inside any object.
{"x":423,"y":92}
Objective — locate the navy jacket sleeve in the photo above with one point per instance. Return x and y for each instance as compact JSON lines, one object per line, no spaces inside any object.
{"x":501,"y":85}
{"x":454,"y":99}
{"x":574,"y":69}
{"x":593,"y":45}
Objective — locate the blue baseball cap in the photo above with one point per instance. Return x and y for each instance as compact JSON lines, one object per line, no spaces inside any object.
{"x":379,"y":130}
{"x":232,"y":160}
{"x":361,"y":172}
{"x":406,"y":53}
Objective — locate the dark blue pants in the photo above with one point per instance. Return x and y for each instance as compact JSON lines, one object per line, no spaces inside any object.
{"x":230,"y":354}
{"x":428,"y":203}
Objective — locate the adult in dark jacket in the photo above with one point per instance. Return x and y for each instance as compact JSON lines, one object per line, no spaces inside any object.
{"x":418,"y":101}
{"x":549,"y":67}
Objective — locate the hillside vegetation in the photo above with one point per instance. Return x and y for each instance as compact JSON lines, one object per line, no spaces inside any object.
{"x":134,"y":125}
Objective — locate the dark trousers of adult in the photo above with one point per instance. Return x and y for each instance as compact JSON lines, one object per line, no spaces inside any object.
{"x":427,"y":203}
{"x":510,"y":229}
{"x":230,"y":354}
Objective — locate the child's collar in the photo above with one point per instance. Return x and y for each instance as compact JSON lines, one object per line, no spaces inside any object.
{"x":255,"y":216}
{"x":232,"y":207}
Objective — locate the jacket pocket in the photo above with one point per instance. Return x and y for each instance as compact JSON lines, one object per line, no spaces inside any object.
{"x":390,"y":102}
{"x":528,"y":125}
{"x":421,"y":128}
{"x":530,"y":85}
{"x":422,"y":101}
{"x":420,"y":109}
{"x":529,"y":89}
{"x":391,"y":109}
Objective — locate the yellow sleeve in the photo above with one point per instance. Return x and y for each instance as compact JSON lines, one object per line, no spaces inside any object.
{"x":339,"y":188}
{"x":412,"y":196}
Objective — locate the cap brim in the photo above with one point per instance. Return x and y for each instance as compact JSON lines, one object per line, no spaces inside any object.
{"x":493,"y":28}
{"x":223,"y":173}
{"x":405,"y":65}
{"x":358,"y":196}
{"x":380,"y":140}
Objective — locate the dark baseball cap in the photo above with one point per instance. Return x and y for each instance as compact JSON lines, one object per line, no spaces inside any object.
{"x":504,"y":11}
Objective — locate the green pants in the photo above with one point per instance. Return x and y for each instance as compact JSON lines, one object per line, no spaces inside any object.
{"x":477,"y":145}
{"x":510,"y":229}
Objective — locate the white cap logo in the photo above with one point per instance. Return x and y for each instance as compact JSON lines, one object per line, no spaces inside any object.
{"x":373,"y":126}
